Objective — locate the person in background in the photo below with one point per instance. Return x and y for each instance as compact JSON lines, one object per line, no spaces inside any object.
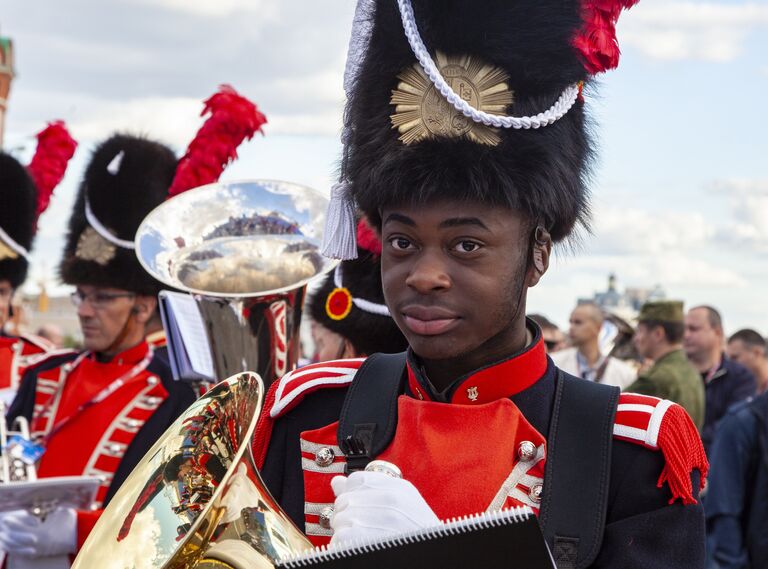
{"x":25,"y":193}
{"x":349,"y":317}
{"x":736,"y":502}
{"x":725,"y":382}
{"x":750,"y":349}
{"x":554,"y":339}
{"x":658,"y":337}
{"x":584,"y":358}
{"x":53,"y":334}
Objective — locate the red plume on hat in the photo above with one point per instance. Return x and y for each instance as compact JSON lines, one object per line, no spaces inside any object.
{"x":55,"y":147}
{"x":233,"y":119}
{"x":596,"y":42}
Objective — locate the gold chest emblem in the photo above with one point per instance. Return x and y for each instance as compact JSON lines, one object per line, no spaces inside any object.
{"x":421,"y":112}
{"x":93,"y":247}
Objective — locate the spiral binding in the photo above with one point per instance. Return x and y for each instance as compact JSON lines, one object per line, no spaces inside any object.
{"x":452,"y":526}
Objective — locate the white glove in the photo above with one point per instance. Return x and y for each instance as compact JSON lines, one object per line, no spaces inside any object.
{"x":373,"y":505}
{"x":22,"y":533}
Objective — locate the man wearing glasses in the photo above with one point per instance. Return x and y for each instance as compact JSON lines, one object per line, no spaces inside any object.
{"x":97,"y":412}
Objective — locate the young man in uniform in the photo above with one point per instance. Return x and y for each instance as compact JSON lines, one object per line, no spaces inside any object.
{"x":25,"y":194}
{"x":474,"y":416}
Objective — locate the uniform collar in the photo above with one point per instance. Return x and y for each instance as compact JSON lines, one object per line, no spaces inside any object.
{"x":131,"y":356}
{"x":499,"y":380}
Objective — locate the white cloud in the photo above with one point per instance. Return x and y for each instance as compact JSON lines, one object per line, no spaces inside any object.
{"x":710,"y":31}
{"x":621,"y":230}
{"x":265,"y":9}
{"x":748,"y":223}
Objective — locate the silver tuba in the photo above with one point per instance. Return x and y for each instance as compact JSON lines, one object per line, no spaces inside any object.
{"x":245,"y":250}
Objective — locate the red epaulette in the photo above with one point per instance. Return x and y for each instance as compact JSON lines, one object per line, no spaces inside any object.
{"x":291,"y":389}
{"x":295,"y":385}
{"x":659,"y":424}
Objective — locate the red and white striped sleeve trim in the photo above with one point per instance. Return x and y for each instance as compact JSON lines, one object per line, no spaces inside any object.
{"x":638,"y":419}
{"x":294,"y":385}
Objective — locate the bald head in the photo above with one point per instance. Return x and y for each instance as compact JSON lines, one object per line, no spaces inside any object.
{"x":586,"y":321}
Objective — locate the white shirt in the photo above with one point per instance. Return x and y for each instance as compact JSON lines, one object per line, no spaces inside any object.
{"x":616,"y":371}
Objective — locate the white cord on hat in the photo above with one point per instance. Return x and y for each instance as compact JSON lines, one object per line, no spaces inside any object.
{"x":8,"y":240}
{"x":103,"y":231}
{"x":361,"y":303}
{"x":555,"y":112}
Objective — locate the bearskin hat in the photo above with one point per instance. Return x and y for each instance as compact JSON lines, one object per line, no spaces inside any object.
{"x":25,"y":193}
{"x":126,"y":178}
{"x":337,"y":305}
{"x":17,"y":217}
{"x":405,"y":143}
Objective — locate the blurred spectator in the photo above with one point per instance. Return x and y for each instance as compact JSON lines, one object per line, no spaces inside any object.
{"x":659,"y":338}
{"x":725,"y":382}
{"x":750,"y":349}
{"x":584,"y":358}
{"x":554,"y":339}
{"x":736,"y":503}
{"x":53,"y":334}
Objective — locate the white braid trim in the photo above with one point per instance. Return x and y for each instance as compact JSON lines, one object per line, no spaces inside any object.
{"x":103,"y":231}
{"x":555,"y":112}
{"x":8,"y":240}
{"x":361,"y":303}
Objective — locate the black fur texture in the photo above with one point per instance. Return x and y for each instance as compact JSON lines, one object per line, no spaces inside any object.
{"x":369,"y":333}
{"x":18,"y":206}
{"x":540,"y":172}
{"x":120,"y":202}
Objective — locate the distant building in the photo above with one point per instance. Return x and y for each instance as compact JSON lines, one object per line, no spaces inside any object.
{"x":627,"y":304}
{"x":35,"y":310}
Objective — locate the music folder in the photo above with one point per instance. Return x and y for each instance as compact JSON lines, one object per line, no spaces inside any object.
{"x":510,"y":538}
{"x":189,"y":350}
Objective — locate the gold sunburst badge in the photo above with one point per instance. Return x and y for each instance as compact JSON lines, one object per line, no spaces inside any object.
{"x":421,"y":112}
{"x":6,"y":252}
{"x":93,"y":247}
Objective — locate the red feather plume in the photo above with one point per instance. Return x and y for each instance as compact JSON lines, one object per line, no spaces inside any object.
{"x":596,"y":41}
{"x":233,"y":119}
{"x":367,"y":238}
{"x":55,"y":147}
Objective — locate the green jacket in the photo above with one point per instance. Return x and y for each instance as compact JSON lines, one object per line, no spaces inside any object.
{"x":673,"y":377}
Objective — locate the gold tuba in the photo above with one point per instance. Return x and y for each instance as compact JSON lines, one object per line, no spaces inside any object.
{"x":245,"y":251}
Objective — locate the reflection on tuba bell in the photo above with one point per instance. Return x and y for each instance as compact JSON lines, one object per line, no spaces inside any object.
{"x":196,"y":499}
{"x":246,"y":251}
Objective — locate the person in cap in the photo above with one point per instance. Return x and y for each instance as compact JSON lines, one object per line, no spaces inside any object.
{"x":25,"y":193}
{"x":659,"y":337}
{"x":349,"y":316}
{"x":97,"y":412}
{"x":466,"y":148}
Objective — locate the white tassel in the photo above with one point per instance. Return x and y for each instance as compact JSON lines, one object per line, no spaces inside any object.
{"x":340,"y":236}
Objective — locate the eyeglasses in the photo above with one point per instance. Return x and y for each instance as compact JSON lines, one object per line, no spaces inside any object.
{"x":98,"y":300}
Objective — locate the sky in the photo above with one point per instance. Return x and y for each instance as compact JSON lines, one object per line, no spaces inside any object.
{"x":680,"y":190}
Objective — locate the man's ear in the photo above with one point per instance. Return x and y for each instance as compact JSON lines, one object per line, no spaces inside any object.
{"x":541,"y":250}
{"x":144,"y":308}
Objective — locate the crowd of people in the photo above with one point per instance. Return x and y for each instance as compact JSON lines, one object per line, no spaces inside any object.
{"x":434,"y":395}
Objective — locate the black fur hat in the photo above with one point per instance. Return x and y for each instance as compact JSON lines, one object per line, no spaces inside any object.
{"x":523,"y":60}
{"x":18,"y":206}
{"x":126,"y":178}
{"x":334,"y":304}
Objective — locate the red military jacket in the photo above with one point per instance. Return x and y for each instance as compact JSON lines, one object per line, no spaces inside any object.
{"x":86,"y":414}
{"x":472,"y":451}
{"x":16,"y":354}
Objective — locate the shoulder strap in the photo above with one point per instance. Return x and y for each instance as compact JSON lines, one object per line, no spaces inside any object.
{"x":369,"y":416}
{"x":573,"y":521}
